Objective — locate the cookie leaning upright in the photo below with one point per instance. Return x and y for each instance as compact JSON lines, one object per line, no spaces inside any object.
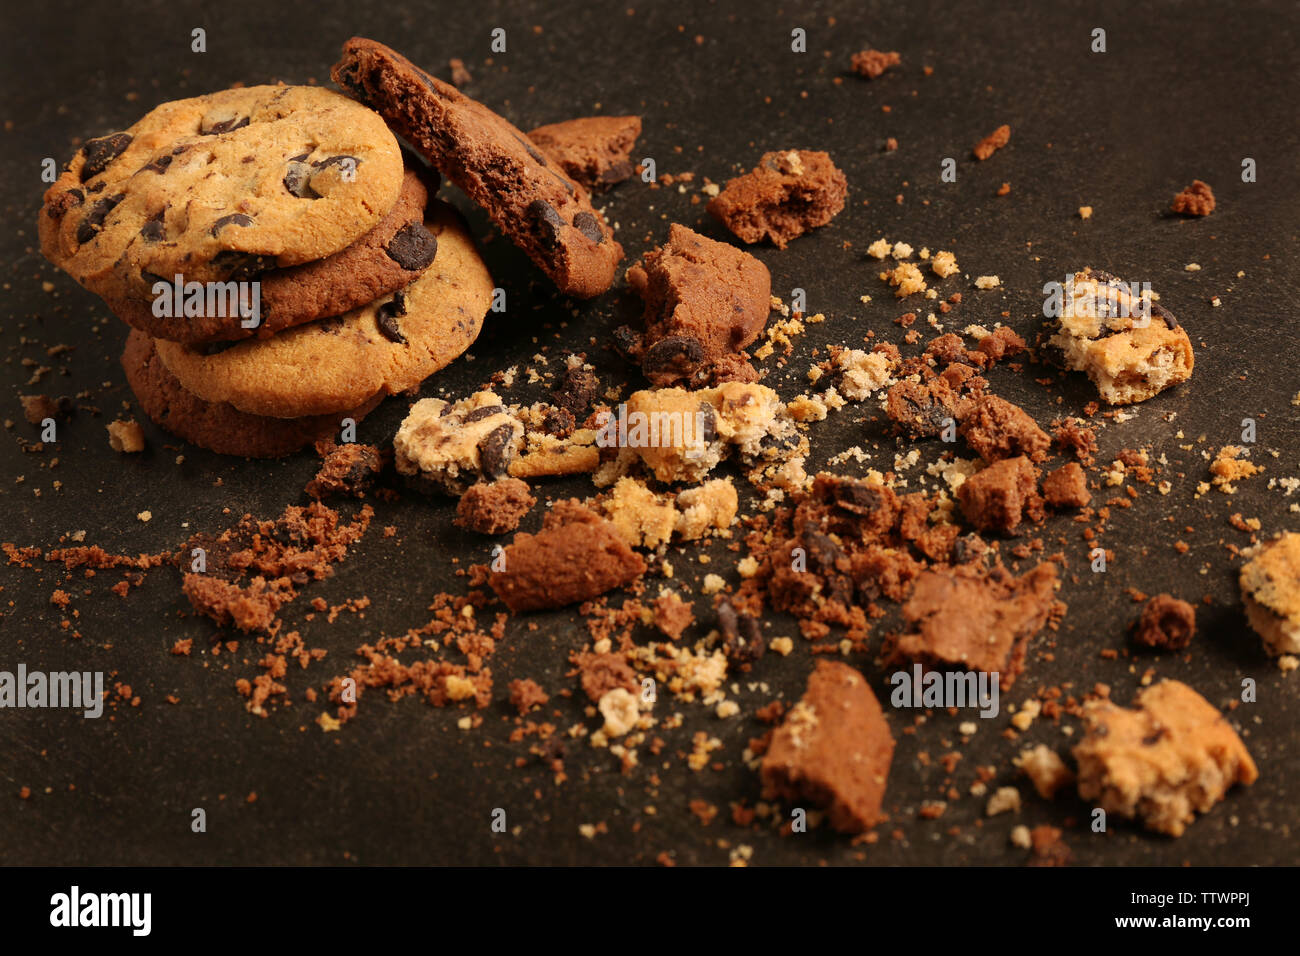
{"x":220,"y":187}
{"x":529,"y":198}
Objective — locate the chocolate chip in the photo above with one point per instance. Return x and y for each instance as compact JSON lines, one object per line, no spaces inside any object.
{"x":1150,"y":740}
{"x":549,"y":223}
{"x":386,"y":318}
{"x":478,"y":414}
{"x":234,"y":219}
{"x":241,"y":266}
{"x":589,"y":226}
{"x":232,"y":121}
{"x":859,"y":497}
{"x":298,"y":181}
{"x":215,"y":348}
{"x":742,"y":641}
{"x":673,"y":355}
{"x":94,"y":221}
{"x":153,"y":229}
{"x":627,"y":342}
{"x":576,"y":390}
{"x":100,"y":152}
{"x":495,"y":451}
{"x":158,"y":164}
{"x":558,"y":422}
{"x":710,"y":429}
{"x":1168,"y":317}
{"x":531,"y":150}
{"x":413,"y":248}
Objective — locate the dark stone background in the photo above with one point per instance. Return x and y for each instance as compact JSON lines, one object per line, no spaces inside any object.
{"x":1186,"y":90}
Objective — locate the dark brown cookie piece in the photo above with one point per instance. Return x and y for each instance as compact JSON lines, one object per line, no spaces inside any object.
{"x":575,"y":557}
{"x":704,"y":302}
{"x":494,"y":507}
{"x":833,"y":749}
{"x":594,"y":150}
{"x":528,"y":197}
{"x":1167,"y":623}
{"x":349,"y":469}
{"x":387,"y":258}
{"x":1067,"y":487}
{"x":788,"y":193}
{"x":1002,"y":495}
{"x":995,"y":429}
{"x":218,"y":426}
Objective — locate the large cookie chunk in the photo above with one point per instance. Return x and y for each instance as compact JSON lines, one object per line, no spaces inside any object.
{"x":595,"y":150}
{"x":1131,"y":348}
{"x":389,"y":257}
{"x":388,"y":346}
{"x":787,"y":194}
{"x":218,"y":187}
{"x":528,"y":197}
{"x":1270,"y":586}
{"x":218,"y":426}
{"x":833,"y":750}
{"x":1171,"y":757}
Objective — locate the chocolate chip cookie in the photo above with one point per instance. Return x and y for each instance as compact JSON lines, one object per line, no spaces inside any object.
{"x":218,"y":426}
{"x":387,"y":258}
{"x":221,"y":187}
{"x":387,"y":346}
{"x":528,"y":197}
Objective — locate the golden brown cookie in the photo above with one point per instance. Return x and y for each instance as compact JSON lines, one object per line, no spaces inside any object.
{"x":387,"y":258}
{"x":221,"y":187}
{"x":387,"y":346}
{"x":218,"y":426}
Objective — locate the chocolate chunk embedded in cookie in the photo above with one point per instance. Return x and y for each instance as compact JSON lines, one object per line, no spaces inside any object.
{"x":221,"y":187}
{"x":387,"y":346}
{"x":529,"y":198}
{"x":389,"y":257}
{"x":218,"y":426}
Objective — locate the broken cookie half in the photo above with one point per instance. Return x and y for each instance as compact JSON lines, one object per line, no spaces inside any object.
{"x":1130,"y":346}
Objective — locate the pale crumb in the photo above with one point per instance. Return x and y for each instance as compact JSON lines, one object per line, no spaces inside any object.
{"x":1085,"y":212}
{"x":145,"y":515}
{"x":782,"y":645}
{"x":728,"y":708}
{"x":1004,"y":800}
{"x":1026,"y":715}
{"x":987,"y":282}
{"x":1192,"y":267}
{"x":902,"y":250}
{"x":1020,"y":837}
{"x":713,"y":584}
{"x":968,"y":728}
{"x":747,"y":567}
{"x":1287,"y":663}
{"x":879,"y":249}
{"x":944,"y":264}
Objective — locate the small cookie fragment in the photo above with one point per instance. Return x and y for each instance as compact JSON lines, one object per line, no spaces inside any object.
{"x":448,"y":447}
{"x":494,"y":507}
{"x":1131,"y":347}
{"x":1166,"y":623}
{"x":976,"y":620}
{"x":705,"y":301}
{"x":999,"y":497}
{"x":348,"y":469}
{"x":525,"y":694}
{"x":596,"y":151}
{"x":125,"y":436}
{"x":993,"y":142}
{"x":575,"y":557}
{"x":1045,"y":769}
{"x":833,"y":749}
{"x":1270,"y":588}
{"x":787,"y":194}
{"x":1067,"y":487}
{"x":1196,"y":200}
{"x":871,"y":64}
{"x":995,"y":429}
{"x":37,"y":408}
{"x":1163,"y":761}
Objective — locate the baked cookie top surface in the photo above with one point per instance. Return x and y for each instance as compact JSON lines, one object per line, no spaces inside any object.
{"x":221,"y":186}
{"x":529,"y":198}
{"x":387,"y":258}
{"x":386,"y":346}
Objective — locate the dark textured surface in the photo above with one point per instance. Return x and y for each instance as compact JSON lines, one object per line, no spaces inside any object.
{"x":1185,"y":91}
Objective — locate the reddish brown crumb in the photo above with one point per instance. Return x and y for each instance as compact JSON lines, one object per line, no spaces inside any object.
{"x":891,"y":144}
{"x":494,"y":507}
{"x":601,"y":673}
{"x":1166,"y":623}
{"x":1066,"y":487}
{"x":992,"y":143}
{"x":459,"y":75}
{"x":183,"y":646}
{"x":526,"y":694}
{"x":1048,"y":847}
{"x":672,"y":615}
{"x":1004,"y":189}
{"x":872,"y":63}
{"x":1196,"y":200}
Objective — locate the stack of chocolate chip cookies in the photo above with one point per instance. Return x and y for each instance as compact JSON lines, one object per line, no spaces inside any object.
{"x":281,"y":265}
